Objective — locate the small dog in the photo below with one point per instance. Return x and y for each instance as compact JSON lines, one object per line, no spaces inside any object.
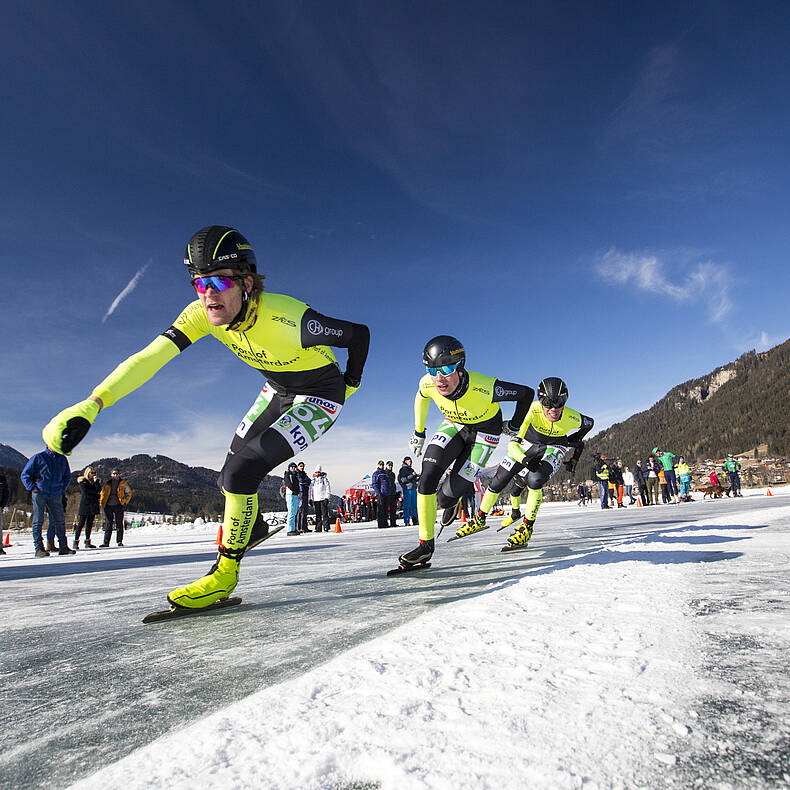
{"x":711,"y":491}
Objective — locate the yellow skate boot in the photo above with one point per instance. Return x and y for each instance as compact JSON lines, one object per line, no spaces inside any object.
{"x":515,"y":515}
{"x":218,"y":583}
{"x":476,"y":524}
{"x":520,"y":538}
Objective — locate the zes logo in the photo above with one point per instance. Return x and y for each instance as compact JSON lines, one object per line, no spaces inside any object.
{"x":283,"y":320}
{"x":243,"y":246}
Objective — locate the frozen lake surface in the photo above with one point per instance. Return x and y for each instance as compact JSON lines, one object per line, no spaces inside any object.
{"x":644,"y":647}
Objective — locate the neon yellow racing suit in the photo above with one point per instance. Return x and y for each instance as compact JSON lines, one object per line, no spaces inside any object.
{"x":289,"y":343}
{"x":535,"y":455}
{"x":466,"y":438}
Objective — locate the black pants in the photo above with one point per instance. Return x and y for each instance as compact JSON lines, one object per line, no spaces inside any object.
{"x":301,"y":514}
{"x":86,"y":520}
{"x":386,"y":511}
{"x":643,"y":494}
{"x":450,"y":488}
{"x":255,"y":454}
{"x":321,"y":507}
{"x":113,"y":513}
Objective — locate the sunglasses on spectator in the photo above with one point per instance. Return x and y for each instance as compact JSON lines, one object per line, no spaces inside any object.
{"x":445,"y":370}
{"x":218,"y":282}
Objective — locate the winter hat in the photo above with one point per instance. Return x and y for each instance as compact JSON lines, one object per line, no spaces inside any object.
{"x":318,"y":469}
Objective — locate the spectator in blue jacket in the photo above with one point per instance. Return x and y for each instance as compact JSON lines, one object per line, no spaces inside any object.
{"x":408,"y":479}
{"x":47,"y":475}
{"x":384,"y":487}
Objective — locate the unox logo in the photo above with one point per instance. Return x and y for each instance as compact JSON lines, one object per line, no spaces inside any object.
{"x":326,"y":405}
{"x":315,"y":327}
{"x":492,"y":440}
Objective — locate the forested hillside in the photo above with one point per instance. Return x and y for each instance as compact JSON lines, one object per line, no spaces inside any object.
{"x":730,"y":410}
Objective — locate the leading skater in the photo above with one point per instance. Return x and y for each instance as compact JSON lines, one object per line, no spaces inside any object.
{"x":283,"y":338}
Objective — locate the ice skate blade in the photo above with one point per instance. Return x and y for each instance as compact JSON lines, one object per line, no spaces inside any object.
{"x":179,"y":611}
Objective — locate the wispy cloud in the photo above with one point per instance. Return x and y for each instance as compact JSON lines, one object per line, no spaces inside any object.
{"x":126,"y":291}
{"x":761,"y":342}
{"x":700,"y":282}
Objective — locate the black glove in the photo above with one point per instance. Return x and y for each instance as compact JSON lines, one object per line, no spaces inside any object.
{"x":510,"y":430}
{"x":571,"y":465}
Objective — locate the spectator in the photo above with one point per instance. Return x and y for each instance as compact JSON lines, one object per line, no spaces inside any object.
{"x":304,"y":499}
{"x":468,"y":504}
{"x":384,"y":487}
{"x":652,"y":468}
{"x":684,"y":480}
{"x":392,"y":503}
{"x":667,"y":460}
{"x":90,"y":490}
{"x":602,"y":473}
{"x":408,"y":478}
{"x":4,"y":497}
{"x":319,"y":494}
{"x":114,"y":497}
{"x":291,"y":483}
{"x":582,"y":492}
{"x":732,"y":468}
{"x":640,"y":478}
{"x":47,"y":475}
{"x":616,"y":478}
{"x":662,"y":484}
{"x":628,"y":482}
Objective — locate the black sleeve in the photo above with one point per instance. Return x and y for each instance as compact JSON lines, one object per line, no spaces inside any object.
{"x":521,"y":393}
{"x":320,"y":330}
{"x":576,"y":438}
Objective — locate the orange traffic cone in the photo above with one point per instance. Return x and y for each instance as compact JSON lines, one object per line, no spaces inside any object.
{"x":463,"y":516}
{"x":337,"y":526}
{"x":218,"y":541}
{"x":769,"y":493}
{"x":639,"y":502}
{"x":7,"y":541}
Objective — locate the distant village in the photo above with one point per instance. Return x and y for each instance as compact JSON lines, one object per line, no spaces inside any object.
{"x":758,"y":470}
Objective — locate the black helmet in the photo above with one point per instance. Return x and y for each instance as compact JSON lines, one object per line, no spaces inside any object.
{"x":444,"y":350}
{"x":218,"y":247}
{"x":552,"y":393}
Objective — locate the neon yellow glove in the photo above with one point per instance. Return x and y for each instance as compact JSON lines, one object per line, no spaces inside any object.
{"x":350,"y":391}
{"x":67,"y":429}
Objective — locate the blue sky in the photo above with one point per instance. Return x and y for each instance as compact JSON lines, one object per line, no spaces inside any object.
{"x":594,"y":191}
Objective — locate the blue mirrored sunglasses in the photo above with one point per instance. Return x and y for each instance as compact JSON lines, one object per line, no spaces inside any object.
{"x":445,"y":370}
{"x":219,"y":282}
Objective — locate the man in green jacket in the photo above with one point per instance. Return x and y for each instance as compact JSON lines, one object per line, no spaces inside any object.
{"x":732,"y":468}
{"x":667,"y":460}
